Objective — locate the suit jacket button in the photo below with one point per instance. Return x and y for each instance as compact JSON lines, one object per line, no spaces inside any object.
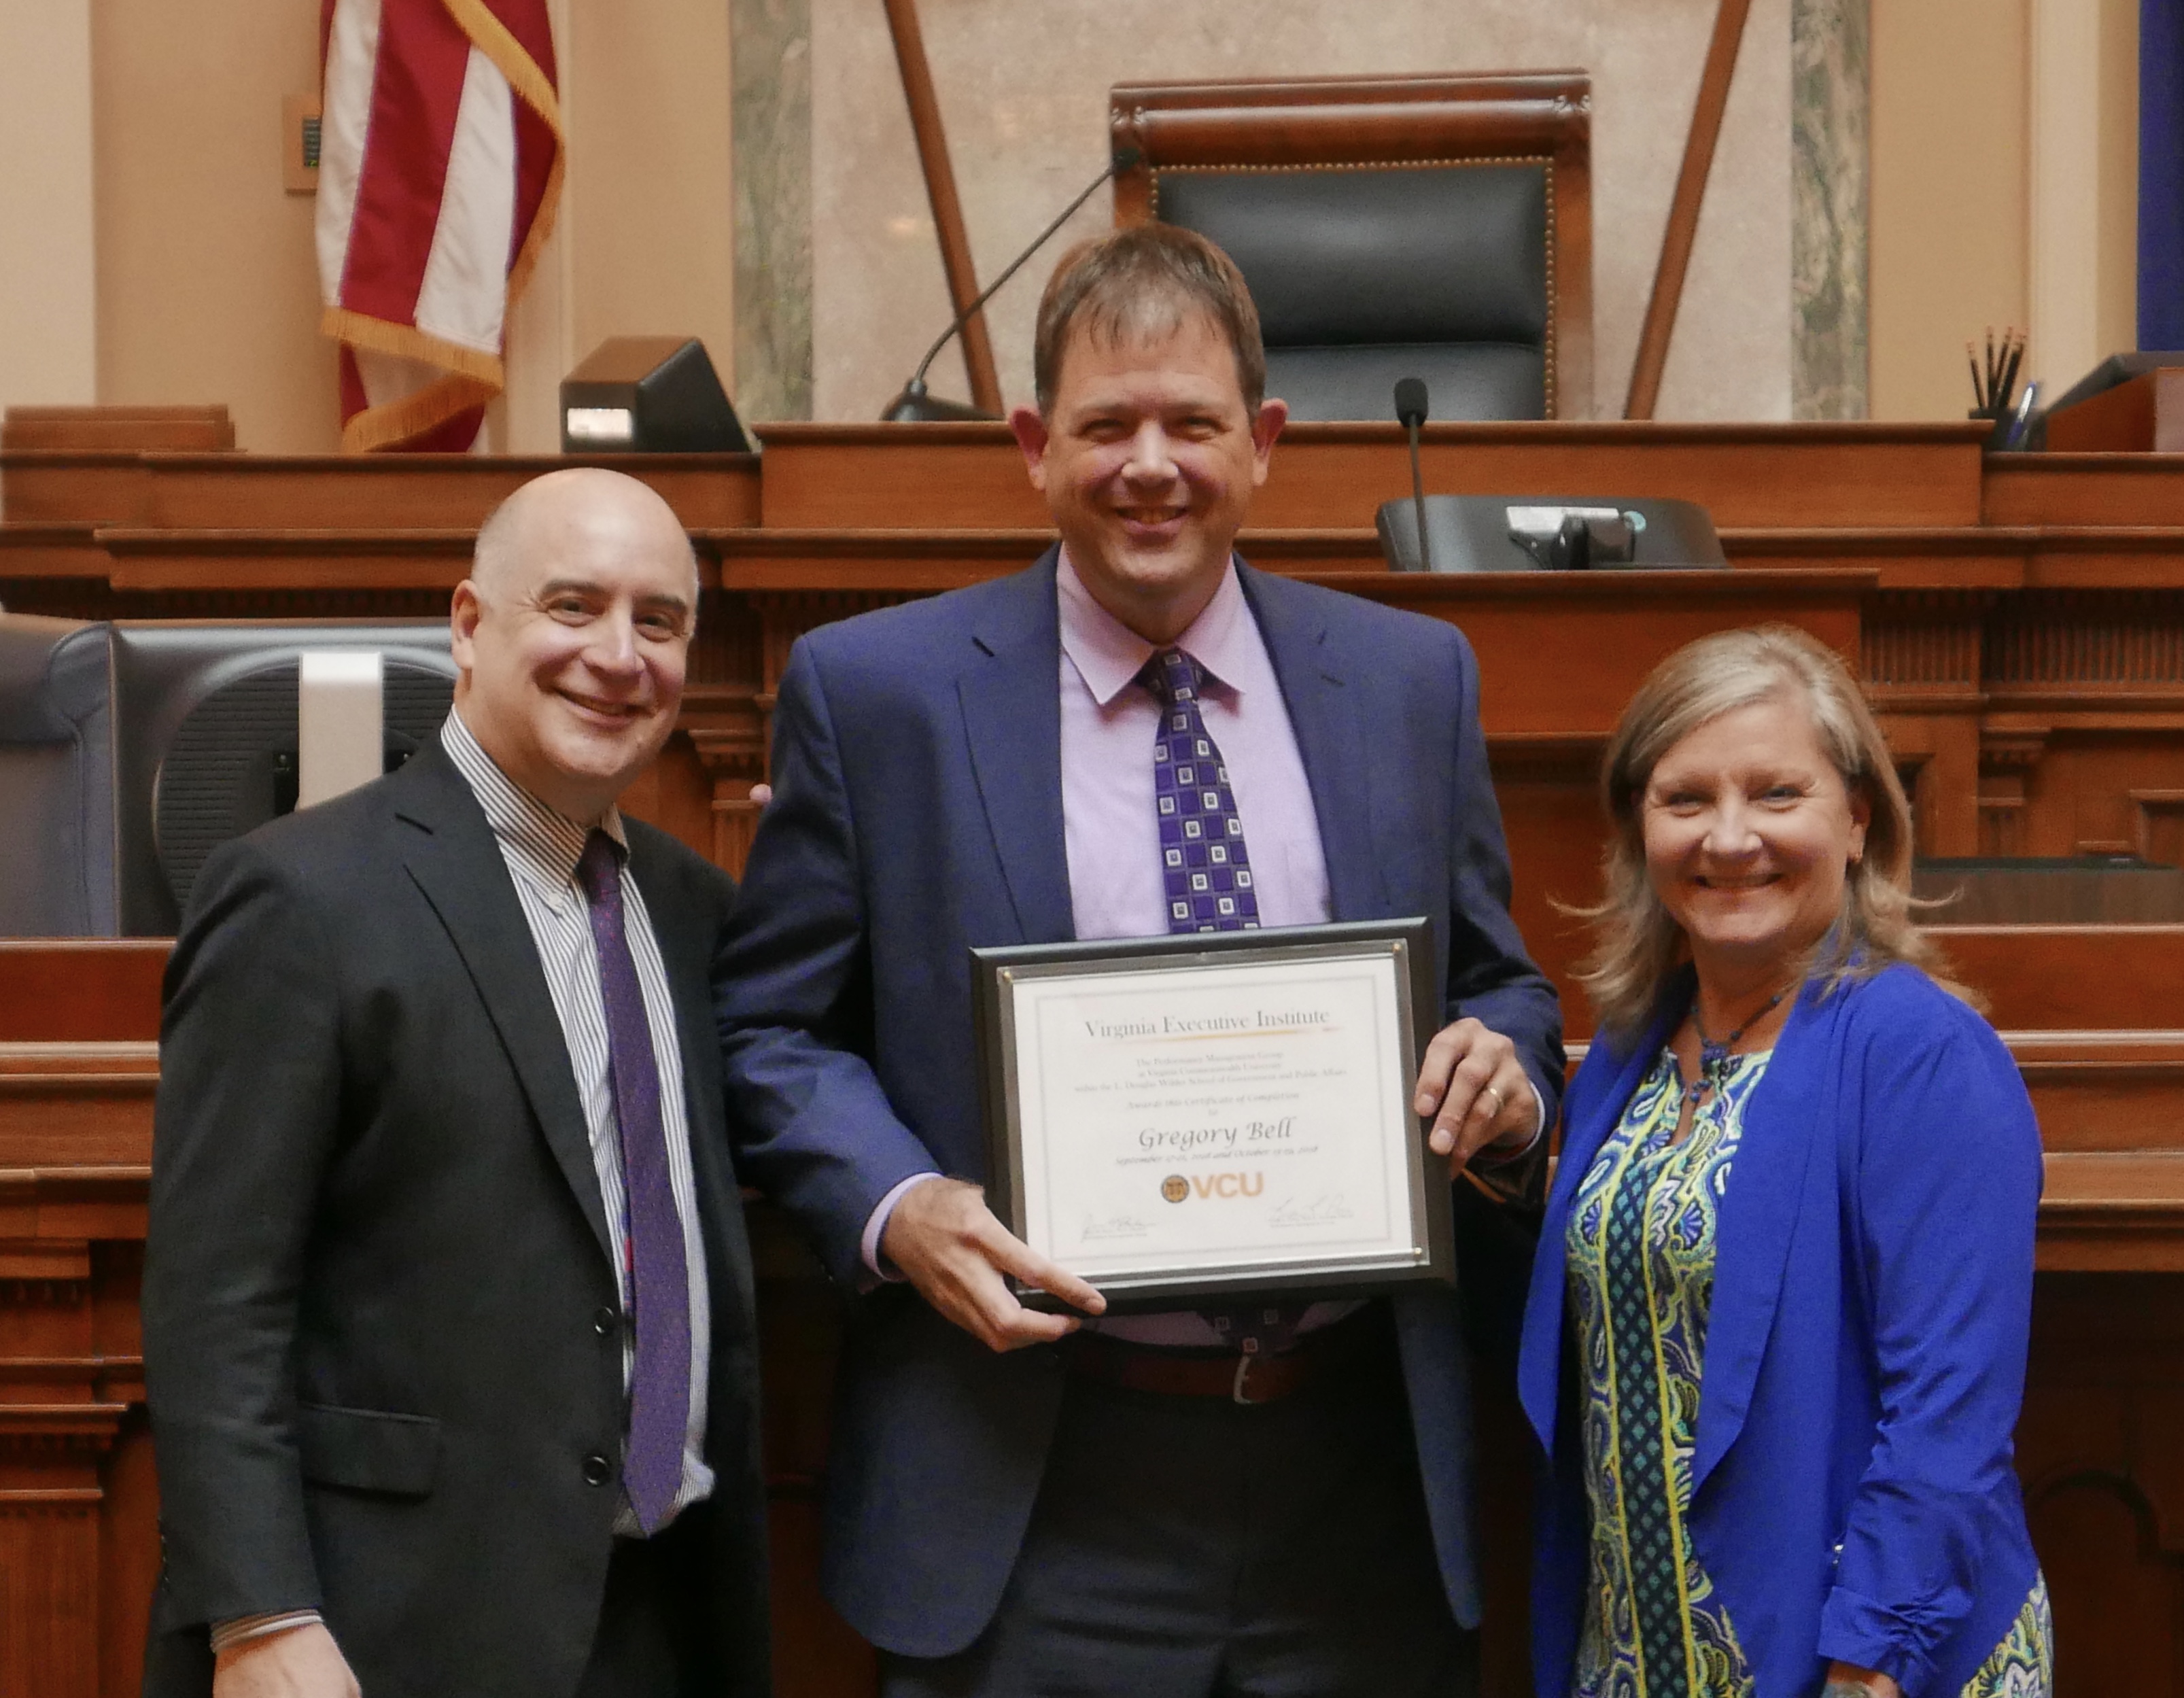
{"x":605,"y":1322}
{"x":597,"y":1470}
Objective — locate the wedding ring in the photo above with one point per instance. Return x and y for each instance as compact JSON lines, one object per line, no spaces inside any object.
{"x":1490,"y":1091}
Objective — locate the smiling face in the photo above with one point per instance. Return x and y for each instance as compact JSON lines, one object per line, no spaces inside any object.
{"x":1148,"y":457}
{"x":572,"y":634}
{"x":1749,"y":831}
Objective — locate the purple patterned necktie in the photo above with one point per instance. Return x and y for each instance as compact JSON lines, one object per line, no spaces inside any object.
{"x":1208,"y":880}
{"x":1207,"y":869}
{"x":653,"y":1254}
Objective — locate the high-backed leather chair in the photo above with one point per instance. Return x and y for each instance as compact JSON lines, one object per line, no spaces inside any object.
{"x":1438,"y":227}
{"x":56,"y":801}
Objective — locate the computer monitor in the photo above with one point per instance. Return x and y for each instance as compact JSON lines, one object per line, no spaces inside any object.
{"x":129,"y":751}
{"x":205,"y":737}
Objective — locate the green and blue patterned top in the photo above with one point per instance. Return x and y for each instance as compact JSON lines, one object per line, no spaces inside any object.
{"x":1641,"y":1253}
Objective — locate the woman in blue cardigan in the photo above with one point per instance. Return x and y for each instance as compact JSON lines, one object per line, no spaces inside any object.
{"x":1775,"y":1342}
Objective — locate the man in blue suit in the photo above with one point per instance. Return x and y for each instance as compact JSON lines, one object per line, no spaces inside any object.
{"x":1265,"y":1501}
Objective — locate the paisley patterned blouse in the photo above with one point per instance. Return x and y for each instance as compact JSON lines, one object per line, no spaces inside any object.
{"x":1641,"y":1253}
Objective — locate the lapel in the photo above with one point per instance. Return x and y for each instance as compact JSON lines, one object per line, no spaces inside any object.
{"x":1327,"y":718}
{"x":1593,"y":1106}
{"x":1012,"y":704}
{"x":1783,"y":1136}
{"x":454,"y":861}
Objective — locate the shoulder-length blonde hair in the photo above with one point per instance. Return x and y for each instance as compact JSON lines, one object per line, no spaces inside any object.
{"x":1636,"y":945}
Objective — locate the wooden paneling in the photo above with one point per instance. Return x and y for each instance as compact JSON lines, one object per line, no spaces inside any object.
{"x":360,"y":491}
{"x":2145,"y":415}
{"x":2103,"y":1477}
{"x":2071,"y":978}
{"x":92,"y":992}
{"x":969,"y":475}
{"x":129,"y":430}
{"x":52,"y":551}
{"x":2084,"y":489}
{"x":47,"y":486}
{"x":1560,"y":654}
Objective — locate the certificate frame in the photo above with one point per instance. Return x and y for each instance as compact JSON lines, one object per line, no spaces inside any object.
{"x":1386,"y":963}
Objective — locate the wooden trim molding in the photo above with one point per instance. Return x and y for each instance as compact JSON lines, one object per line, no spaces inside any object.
{"x":947,"y":206}
{"x":1682,"y":229}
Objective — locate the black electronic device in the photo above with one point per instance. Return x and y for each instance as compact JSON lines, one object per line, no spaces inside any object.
{"x":205,"y":745}
{"x":915,"y":405}
{"x":1509,"y":533}
{"x":129,"y":751}
{"x":648,"y":394}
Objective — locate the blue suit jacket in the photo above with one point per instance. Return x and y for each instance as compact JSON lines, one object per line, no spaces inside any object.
{"x":1853,"y":1496}
{"x":916,"y":815}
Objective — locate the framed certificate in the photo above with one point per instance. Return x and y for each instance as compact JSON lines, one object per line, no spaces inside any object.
{"x":1182,"y":1119}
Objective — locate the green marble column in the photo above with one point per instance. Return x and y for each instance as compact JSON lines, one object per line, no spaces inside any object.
{"x":1830,"y":169}
{"x":770,"y":48}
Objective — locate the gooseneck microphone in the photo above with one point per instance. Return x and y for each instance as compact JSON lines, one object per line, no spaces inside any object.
{"x":1411,"y":409}
{"x":914,"y":404}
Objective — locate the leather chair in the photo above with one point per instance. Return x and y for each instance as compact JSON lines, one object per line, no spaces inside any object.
{"x":1435,"y":226}
{"x":57,"y":821}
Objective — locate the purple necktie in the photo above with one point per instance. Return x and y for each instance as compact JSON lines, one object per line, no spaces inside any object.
{"x":653,"y":1254}
{"x":1208,"y":879}
{"x":1203,"y":860}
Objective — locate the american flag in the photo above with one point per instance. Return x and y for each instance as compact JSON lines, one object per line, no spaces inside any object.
{"x":439,"y":171}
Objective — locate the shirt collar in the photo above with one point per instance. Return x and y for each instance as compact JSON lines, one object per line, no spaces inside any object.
{"x":550,"y":842}
{"x":1109,"y":655}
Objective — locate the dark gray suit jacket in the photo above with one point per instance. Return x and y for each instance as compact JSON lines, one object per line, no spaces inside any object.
{"x":379,"y":1322}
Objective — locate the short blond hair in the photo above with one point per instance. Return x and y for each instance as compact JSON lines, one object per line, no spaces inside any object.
{"x":1637,"y":943}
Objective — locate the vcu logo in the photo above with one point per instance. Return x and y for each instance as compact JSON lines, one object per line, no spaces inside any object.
{"x":1175,"y":1188}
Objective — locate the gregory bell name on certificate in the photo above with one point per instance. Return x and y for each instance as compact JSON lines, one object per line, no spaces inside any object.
{"x":1214,"y":1117}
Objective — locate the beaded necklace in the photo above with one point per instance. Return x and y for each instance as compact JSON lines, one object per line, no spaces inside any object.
{"x":1714,"y":1058}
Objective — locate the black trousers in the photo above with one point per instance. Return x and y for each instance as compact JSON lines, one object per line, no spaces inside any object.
{"x":1191,"y":1547}
{"x":652,"y":1641}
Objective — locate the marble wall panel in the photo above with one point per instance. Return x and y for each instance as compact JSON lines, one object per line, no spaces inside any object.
{"x":770,"y":113}
{"x":1024,"y":90}
{"x":1831,"y":56}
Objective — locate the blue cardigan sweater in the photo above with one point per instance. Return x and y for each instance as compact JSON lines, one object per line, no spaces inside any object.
{"x":1853,"y":1494}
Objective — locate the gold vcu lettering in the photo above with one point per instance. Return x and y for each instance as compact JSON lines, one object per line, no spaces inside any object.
{"x":1229,"y":1184}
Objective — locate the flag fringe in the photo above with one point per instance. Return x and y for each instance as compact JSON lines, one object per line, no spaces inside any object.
{"x":407,"y":341}
{"x":398,"y":421}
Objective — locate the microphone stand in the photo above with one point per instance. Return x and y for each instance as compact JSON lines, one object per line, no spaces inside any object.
{"x":1411,"y":408}
{"x":914,"y":403}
